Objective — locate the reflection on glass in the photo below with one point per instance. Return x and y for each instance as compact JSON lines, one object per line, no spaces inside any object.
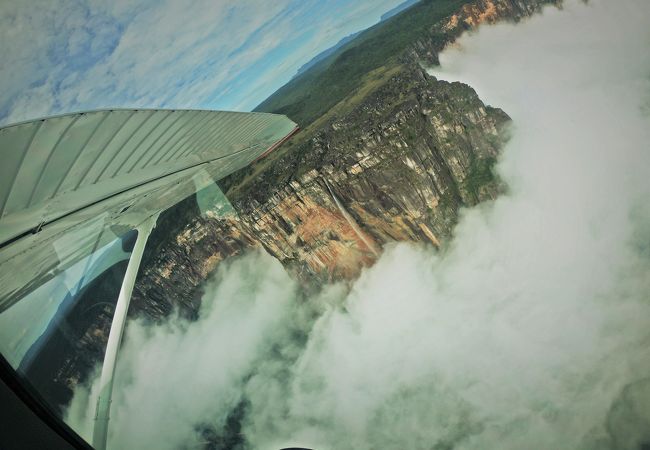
{"x":211,"y":201}
{"x":56,"y":334}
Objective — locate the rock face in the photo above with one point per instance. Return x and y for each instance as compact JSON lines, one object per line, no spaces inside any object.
{"x":397,"y":166}
{"x":400,"y":168}
{"x":469,"y":16}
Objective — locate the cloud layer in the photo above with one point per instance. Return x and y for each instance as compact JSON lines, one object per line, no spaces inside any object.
{"x":531,"y":330}
{"x":65,"y":55}
{"x":173,"y":377}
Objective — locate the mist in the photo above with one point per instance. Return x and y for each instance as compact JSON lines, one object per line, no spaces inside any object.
{"x":175,"y":378}
{"x":530,"y":330}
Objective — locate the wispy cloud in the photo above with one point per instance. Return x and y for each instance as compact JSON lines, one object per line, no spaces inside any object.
{"x":65,"y":55}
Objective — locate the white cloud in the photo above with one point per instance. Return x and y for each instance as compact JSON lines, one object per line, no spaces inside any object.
{"x":530,"y":331}
{"x":524,"y":333}
{"x":191,"y":53}
{"x":175,"y":376}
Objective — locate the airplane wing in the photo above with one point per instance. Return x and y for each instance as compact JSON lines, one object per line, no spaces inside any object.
{"x":72,"y":183}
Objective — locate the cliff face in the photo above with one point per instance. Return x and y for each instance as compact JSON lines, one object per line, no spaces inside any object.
{"x":395,"y":162}
{"x":397,"y":167}
{"x":469,"y":16}
{"x":392,"y":169}
{"x":489,"y":11}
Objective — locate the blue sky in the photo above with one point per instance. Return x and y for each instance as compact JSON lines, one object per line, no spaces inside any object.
{"x":69,"y":55}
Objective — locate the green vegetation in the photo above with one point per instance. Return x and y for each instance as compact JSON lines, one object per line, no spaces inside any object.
{"x":341,"y":82}
{"x":367,"y":84}
{"x":481,"y":173}
{"x":309,"y":96}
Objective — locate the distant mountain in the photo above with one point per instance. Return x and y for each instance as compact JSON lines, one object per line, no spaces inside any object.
{"x":398,"y":9}
{"x":324,"y":54}
{"x":330,"y":51}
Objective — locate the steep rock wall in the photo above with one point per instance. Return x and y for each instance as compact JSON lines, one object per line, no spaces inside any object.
{"x":401,"y":165}
{"x":398,"y":167}
{"x":471,"y":15}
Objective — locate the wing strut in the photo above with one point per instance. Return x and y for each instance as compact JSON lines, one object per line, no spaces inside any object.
{"x":100,"y":430}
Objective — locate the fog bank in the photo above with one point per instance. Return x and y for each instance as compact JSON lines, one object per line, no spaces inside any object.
{"x":532,"y":330}
{"x":177,"y":376}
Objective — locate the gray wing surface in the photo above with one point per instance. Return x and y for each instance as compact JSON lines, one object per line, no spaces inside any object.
{"x":71,"y":183}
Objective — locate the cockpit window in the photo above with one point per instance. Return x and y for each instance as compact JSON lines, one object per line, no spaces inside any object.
{"x":55,"y":335}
